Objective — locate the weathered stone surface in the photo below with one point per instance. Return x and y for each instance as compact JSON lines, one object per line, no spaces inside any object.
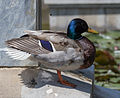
{"x":10,"y":83}
{"x":34,"y":83}
{"x":15,"y":17}
{"x":42,"y":83}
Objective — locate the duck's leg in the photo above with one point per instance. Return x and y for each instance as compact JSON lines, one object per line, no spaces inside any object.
{"x":63,"y":81}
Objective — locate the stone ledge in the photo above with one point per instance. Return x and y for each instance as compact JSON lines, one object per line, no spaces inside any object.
{"x":42,"y":83}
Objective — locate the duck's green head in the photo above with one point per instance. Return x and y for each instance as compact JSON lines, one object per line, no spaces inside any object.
{"x":77,"y":27}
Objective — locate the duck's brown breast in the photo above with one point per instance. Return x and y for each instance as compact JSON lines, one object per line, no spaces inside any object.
{"x":89,"y":52}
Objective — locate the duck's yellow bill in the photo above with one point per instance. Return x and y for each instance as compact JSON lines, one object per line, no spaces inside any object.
{"x":92,"y":31}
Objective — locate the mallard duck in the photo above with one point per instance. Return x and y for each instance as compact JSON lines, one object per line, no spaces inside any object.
{"x":56,"y":50}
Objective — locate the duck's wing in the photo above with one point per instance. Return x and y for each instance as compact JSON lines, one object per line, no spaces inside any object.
{"x":38,"y":42}
{"x":57,"y":38}
{"x":53,"y":36}
{"x":67,"y":51}
{"x":25,"y":46}
{"x":46,"y":46}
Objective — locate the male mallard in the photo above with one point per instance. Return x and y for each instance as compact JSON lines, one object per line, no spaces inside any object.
{"x":56,"y":50}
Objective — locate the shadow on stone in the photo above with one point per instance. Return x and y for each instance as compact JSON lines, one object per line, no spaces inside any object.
{"x":37,"y":78}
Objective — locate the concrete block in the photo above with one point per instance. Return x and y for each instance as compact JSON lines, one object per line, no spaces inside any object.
{"x":61,"y":17}
{"x":15,"y":17}
{"x":42,"y":83}
{"x":100,"y":14}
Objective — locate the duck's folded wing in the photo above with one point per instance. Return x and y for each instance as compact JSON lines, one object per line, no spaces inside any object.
{"x":67,"y":49}
{"x":58,"y":39}
{"x":55,"y":37}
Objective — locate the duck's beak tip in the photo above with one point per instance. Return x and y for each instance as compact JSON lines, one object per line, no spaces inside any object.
{"x":92,"y":31}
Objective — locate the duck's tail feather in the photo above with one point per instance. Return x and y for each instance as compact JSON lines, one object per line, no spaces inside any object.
{"x":16,"y":54}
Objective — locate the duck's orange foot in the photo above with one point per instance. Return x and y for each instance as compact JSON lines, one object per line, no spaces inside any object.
{"x":64,"y":82}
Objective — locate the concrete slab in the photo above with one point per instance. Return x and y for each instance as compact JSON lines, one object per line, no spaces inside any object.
{"x":42,"y":83}
{"x":10,"y":85}
{"x":15,"y":17}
